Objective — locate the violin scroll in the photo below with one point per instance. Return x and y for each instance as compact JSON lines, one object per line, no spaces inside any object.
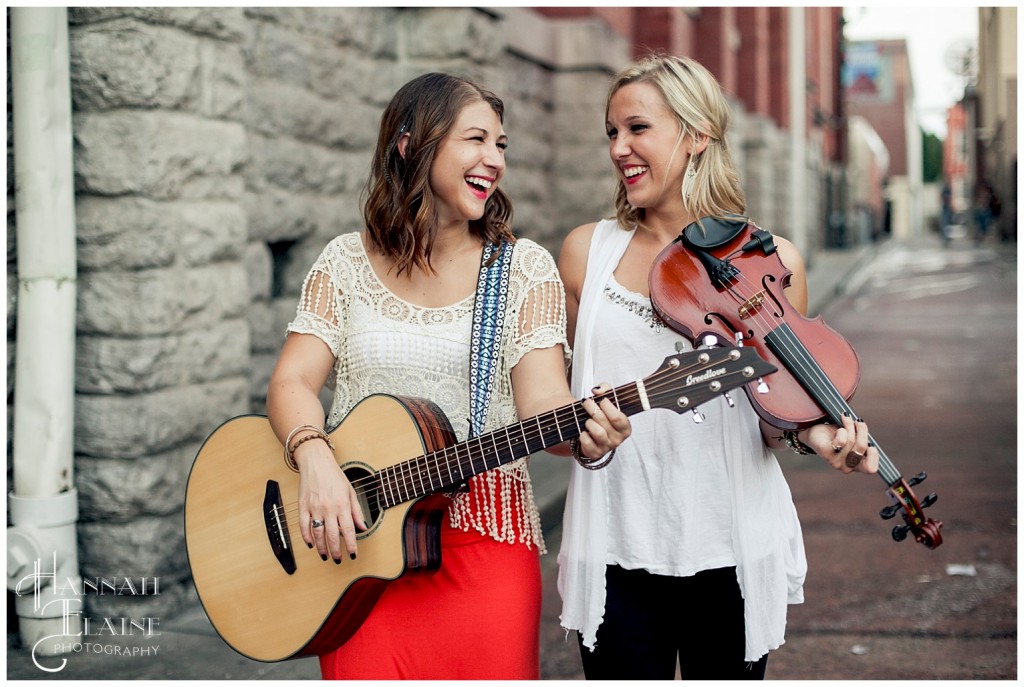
{"x":926,"y":531}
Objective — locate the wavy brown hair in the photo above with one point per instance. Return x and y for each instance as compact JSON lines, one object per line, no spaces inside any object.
{"x":695,"y":97}
{"x":398,"y":204}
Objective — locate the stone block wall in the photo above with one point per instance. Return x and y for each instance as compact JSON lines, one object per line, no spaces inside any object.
{"x":163,"y":342}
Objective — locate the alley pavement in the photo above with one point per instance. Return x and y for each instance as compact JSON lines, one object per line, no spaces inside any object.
{"x":935,"y":331}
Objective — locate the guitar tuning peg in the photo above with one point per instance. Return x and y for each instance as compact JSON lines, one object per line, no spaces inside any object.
{"x":762,"y":386}
{"x":680,"y":347}
{"x":710,"y":341}
{"x":739,"y":339}
{"x":698,"y":417}
{"x":728,"y":399}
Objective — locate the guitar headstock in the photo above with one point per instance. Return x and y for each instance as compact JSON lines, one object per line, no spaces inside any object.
{"x":685,"y":380}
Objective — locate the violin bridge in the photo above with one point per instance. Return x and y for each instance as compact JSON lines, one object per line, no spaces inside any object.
{"x":751,"y":304}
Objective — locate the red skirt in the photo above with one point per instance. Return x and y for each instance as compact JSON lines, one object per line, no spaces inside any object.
{"x":476,"y":618}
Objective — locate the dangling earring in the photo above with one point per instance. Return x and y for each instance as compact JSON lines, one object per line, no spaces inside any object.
{"x":691,"y":172}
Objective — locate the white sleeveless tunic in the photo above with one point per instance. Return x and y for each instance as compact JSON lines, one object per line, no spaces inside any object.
{"x":678,"y":497}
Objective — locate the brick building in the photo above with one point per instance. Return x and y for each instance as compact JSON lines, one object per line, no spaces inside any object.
{"x":879,"y":88}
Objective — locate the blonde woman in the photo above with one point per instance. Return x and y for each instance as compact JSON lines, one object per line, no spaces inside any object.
{"x":685,"y":551}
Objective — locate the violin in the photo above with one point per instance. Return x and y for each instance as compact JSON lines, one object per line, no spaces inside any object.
{"x":722,"y":278}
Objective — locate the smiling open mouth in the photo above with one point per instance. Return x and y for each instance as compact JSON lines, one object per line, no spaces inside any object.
{"x":479,"y":186}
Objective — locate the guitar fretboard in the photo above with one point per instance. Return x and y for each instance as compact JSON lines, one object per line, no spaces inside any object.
{"x":443,"y":469}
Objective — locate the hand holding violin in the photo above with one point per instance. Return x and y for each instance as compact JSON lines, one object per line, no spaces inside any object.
{"x":845,"y":448}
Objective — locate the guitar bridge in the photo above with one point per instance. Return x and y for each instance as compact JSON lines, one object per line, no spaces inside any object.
{"x":277,"y":527}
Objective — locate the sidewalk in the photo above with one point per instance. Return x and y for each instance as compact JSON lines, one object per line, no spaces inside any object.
{"x":188,"y":648}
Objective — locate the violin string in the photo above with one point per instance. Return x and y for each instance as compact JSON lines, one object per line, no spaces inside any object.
{"x":833,"y":402}
{"x":809,"y":370}
{"x":827,"y":395}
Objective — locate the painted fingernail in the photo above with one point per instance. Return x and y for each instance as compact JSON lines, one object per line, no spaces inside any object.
{"x":323,"y":556}
{"x":309,"y":545}
{"x":352,"y":556}
{"x":337,"y":561}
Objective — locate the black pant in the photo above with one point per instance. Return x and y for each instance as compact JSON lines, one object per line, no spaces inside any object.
{"x":650,"y":621}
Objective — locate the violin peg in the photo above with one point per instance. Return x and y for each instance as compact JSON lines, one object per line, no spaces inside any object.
{"x":762,"y":386}
{"x":698,"y":417}
{"x":917,"y":479}
{"x":889,"y":512}
{"x":929,"y":500}
{"x":899,"y":533}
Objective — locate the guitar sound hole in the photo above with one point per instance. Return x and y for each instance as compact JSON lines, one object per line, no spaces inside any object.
{"x":365,"y":483}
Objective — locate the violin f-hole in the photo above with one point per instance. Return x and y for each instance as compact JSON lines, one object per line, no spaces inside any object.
{"x":780,"y":310}
{"x":713,"y":318}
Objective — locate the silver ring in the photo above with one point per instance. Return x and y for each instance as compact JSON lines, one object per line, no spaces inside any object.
{"x":316,"y":523}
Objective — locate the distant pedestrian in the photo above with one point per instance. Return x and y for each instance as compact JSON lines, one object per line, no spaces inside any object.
{"x":946,"y":217}
{"x":983,"y":201}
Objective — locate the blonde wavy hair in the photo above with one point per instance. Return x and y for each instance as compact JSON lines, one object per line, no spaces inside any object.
{"x":695,"y":97}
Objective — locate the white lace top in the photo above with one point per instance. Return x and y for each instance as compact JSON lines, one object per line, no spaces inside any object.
{"x":384,"y":344}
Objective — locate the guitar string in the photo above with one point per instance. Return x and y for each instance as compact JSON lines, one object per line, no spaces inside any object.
{"x":822,"y":387}
{"x":566,"y":419}
{"x":407,"y":483}
{"x":405,"y":473}
{"x":578,"y":418}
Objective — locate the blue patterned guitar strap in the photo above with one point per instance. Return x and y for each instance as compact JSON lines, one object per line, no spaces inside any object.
{"x":488,"y":322}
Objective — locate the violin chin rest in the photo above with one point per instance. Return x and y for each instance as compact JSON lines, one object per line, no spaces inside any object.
{"x":711,"y":232}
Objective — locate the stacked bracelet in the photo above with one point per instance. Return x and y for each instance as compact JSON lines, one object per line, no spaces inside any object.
{"x":589,"y":463}
{"x":792,"y":439}
{"x":289,"y":447}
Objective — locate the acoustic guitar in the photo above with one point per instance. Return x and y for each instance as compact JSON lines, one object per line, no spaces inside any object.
{"x":272,"y":598}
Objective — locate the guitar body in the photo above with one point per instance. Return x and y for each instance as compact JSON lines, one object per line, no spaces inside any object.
{"x":271,"y":597}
